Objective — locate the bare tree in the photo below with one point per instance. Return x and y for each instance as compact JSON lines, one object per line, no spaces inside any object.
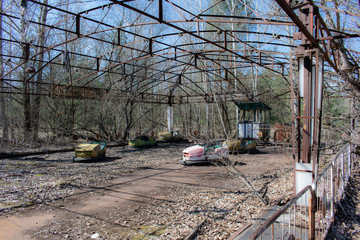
{"x":3,"y":115}
{"x":340,"y":23}
{"x":24,"y":74}
{"x":39,"y":80}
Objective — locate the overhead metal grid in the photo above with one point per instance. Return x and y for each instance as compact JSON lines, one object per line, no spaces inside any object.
{"x":184,"y":57}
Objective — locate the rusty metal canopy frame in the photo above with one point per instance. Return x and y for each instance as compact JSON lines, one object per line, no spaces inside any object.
{"x":156,"y":51}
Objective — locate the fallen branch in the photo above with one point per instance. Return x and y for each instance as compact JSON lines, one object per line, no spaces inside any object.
{"x":194,"y":232}
{"x":231,"y":168}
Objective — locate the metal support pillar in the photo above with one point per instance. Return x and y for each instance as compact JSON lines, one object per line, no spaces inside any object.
{"x":308,"y":97}
{"x":170,"y":117}
{"x":306,"y":131}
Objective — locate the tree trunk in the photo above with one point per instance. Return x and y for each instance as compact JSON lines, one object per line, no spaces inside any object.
{"x":25,"y":77}
{"x":225,"y":117}
{"x":3,"y":115}
{"x":128,"y":110}
{"x":39,"y":79}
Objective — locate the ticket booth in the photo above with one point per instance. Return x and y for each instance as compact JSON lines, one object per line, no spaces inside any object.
{"x":254,"y":120}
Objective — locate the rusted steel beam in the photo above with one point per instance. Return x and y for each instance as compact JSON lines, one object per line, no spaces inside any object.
{"x":136,"y":10}
{"x":105,"y":69}
{"x":266,"y":54}
{"x":76,"y":92}
{"x":209,"y":31}
{"x":191,"y":34}
{"x":300,"y":5}
{"x":79,"y":67}
{"x":96,"y":8}
{"x":38,"y":23}
{"x":81,"y":93}
{"x":51,"y":62}
{"x":288,"y":10}
{"x":95,"y":39}
{"x":53,"y":7}
{"x":11,"y":92}
{"x":108,"y":24}
{"x":244,"y":17}
{"x":339,"y":37}
{"x":93,"y":20}
{"x":233,"y":21}
{"x":112,"y":66}
{"x":51,"y":48}
{"x":96,"y":21}
{"x":340,"y":11}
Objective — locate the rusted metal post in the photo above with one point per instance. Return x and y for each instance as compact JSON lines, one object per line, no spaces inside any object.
{"x":315,"y":113}
{"x":312,"y":210}
{"x":332,"y":187}
{"x":306,"y":148}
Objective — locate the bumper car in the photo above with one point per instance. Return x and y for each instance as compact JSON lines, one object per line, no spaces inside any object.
{"x":241,"y":146}
{"x":169,"y":136}
{"x":142,"y":141}
{"x":93,"y":151}
{"x":203,"y":155}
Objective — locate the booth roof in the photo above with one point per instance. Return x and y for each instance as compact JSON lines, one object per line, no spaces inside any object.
{"x":252,"y":105}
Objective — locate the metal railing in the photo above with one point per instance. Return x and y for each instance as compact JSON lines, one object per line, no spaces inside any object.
{"x":310,"y":213}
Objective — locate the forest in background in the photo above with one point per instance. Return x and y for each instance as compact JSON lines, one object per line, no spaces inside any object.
{"x":113,"y":110}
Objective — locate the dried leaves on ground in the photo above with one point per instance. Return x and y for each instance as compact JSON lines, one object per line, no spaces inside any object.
{"x":222,"y":206}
